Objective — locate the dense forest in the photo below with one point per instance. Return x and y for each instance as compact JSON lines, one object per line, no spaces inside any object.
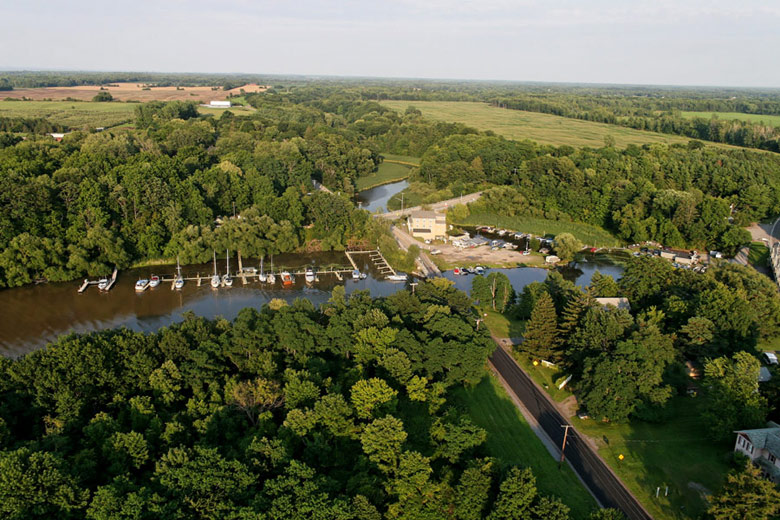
{"x":629,"y":363}
{"x":288,"y":412}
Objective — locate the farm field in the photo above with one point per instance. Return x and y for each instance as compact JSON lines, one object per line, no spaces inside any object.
{"x":132,"y":92}
{"x":511,"y":439}
{"x":588,"y":234}
{"x":542,"y":128}
{"x":674,"y":453}
{"x":387,"y":172}
{"x":74,"y":114}
{"x":729,"y":116}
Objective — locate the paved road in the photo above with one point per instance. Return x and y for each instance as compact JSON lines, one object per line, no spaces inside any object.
{"x":603,"y":483}
{"x":405,"y":240}
{"x":465,"y":199}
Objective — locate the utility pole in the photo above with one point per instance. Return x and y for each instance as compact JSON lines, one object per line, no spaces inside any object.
{"x":413,"y":285}
{"x":402,"y":203}
{"x":563,"y":446}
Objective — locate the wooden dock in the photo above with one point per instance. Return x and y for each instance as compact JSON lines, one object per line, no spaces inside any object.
{"x":111,"y":282}
{"x":376,"y":258}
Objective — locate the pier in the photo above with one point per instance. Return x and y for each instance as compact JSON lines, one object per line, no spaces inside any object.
{"x":111,"y":282}
{"x":376,"y":258}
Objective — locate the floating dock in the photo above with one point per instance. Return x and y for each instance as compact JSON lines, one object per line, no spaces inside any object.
{"x":376,"y":258}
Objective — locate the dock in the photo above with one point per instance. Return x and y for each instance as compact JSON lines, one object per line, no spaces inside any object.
{"x":111,"y":281}
{"x":379,"y":261}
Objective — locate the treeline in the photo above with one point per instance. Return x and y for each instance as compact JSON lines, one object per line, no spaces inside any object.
{"x":289,"y":412}
{"x":34,"y":125}
{"x":628,"y":363}
{"x":680,"y":196}
{"x":37,"y":79}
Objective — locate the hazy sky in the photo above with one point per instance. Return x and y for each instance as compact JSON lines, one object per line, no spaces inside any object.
{"x":681,"y":42}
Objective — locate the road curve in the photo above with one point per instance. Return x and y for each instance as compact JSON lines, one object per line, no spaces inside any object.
{"x":603,"y":483}
{"x":465,"y":199}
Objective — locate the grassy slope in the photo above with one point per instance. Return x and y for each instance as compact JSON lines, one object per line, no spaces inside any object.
{"x":73,"y":114}
{"x":675,"y":453}
{"x":589,"y":235}
{"x":759,"y":254}
{"x":386,"y":173}
{"x":729,"y":116}
{"x":511,"y":439}
{"x":542,"y":128}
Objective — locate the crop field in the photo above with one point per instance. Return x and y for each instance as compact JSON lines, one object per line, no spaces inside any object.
{"x":730,"y":116}
{"x":132,"y":92}
{"x":542,"y":128}
{"x":510,"y":439}
{"x":74,"y":114}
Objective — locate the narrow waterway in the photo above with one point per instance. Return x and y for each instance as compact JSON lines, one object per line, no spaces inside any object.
{"x":32,"y":316}
{"x":376,"y":198}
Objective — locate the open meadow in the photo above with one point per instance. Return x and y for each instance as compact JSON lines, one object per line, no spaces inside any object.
{"x":73,"y":114}
{"x":542,"y":128}
{"x":132,"y":92}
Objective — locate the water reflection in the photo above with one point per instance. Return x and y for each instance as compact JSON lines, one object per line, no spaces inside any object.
{"x":32,"y":316}
{"x":376,"y":198}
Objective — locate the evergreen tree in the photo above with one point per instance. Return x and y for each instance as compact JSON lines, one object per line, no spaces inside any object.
{"x":541,"y":332}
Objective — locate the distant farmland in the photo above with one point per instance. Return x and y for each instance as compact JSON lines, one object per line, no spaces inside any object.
{"x":131,"y":92}
{"x":730,"y":116}
{"x":74,"y":114}
{"x":542,"y":128}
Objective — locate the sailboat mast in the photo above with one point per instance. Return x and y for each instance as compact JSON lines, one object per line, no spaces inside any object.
{"x":215,"y":263}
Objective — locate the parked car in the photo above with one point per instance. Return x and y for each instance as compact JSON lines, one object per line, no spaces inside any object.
{"x":435,"y":251}
{"x":770,"y":358}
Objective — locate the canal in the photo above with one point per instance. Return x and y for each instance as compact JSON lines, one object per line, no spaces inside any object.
{"x":376,"y":198}
{"x":32,"y":316}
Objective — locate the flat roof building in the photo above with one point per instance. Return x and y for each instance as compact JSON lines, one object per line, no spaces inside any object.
{"x":427,"y":224}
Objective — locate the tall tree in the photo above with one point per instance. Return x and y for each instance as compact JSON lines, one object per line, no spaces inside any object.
{"x":541,"y":332}
{"x":746,"y":495}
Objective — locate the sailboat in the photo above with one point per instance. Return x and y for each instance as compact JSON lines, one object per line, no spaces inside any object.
{"x":179,"y":282}
{"x":262,"y":277}
{"x":271,"y":276}
{"x":215,"y":278}
{"x":227,"y":280}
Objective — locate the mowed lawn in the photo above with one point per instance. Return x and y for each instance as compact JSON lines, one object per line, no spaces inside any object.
{"x":73,"y":114}
{"x":510,"y":439}
{"x":588,"y":234}
{"x":730,"y":116}
{"x":674,"y":453}
{"x":387,"y":172}
{"x":542,"y":128}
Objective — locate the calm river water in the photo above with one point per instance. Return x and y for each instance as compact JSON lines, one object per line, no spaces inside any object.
{"x":377,"y":198}
{"x":32,"y":316}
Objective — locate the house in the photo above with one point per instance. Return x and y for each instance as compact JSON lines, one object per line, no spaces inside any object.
{"x":668,"y":255}
{"x":219,"y":104}
{"x":618,"y":303}
{"x":57,"y":136}
{"x":762,"y":447}
{"x":427,"y":225}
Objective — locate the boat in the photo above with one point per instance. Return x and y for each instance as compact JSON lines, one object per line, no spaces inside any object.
{"x":271,"y":276}
{"x":154,"y":281}
{"x":215,"y":277}
{"x":356,"y":274}
{"x":227,"y":280}
{"x":141,"y":285}
{"x":262,"y":277}
{"x":456,"y":271}
{"x":287,"y":278}
{"x":397,"y":277}
{"x":102,"y":284}
{"x":363,"y":276}
{"x":309,"y":275}
{"x":479,"y":269}
{"x":178,"y":283}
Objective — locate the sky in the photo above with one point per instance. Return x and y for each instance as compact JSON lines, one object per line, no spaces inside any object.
{"x":657,"y":42}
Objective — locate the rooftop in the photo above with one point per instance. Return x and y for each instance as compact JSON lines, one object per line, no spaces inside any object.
{"x":620,"y":303}
{"x":765,"y":438}
{"x":425,"y":214}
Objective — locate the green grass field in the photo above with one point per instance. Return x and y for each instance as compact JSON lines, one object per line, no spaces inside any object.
{"x":675,"y":453}
{"x":504,"y":326}
{"x":730,"y":116}
{"x":588,"y":234}
{"x":542,"y":128}
{"x":391,"y":157}
{"x":512,"y":440}
{"x":386,"y":172}
{"x":74,"y":114}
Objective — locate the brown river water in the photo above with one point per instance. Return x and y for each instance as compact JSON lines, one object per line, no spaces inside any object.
{"x":32,"y":316}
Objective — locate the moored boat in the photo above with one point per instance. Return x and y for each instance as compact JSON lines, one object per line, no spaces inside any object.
{"x":227,"y":280}
{"x":287,"y":278}
{"x":215,"y":276}
{"x":262,"y":277}
{"x":178,"y":283}
{"x":479,"y":269}
{"x":356,"y":274}
{"x":154,"y":281}
{"x":456,"y":271}
{"x":141,"y":285}
{"x":309,"y":275}
{"x":397,"y":277}
{"x":102,"y":284}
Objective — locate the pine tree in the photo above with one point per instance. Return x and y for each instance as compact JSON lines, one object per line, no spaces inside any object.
{"x":541,"y":333}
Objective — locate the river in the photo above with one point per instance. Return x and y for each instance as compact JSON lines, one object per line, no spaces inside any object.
{"x":32,"y":316}
{"x":376,"y":198}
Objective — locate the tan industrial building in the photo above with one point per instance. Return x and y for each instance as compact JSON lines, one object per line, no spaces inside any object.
{"x":427,"y":225}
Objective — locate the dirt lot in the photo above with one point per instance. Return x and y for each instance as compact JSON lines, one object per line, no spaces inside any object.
{"x":456,"y":256}
{"x":134,"y":92}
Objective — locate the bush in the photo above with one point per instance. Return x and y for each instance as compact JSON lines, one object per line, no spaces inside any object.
{"x":103,"y":96}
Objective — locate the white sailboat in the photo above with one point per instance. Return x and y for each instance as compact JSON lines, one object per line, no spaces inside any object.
{"x":227,"y":280}
{"x":262,"y":277}
{"x":271,"y":276}
{"x":215,"y":278}
{"x":179,"y":282}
